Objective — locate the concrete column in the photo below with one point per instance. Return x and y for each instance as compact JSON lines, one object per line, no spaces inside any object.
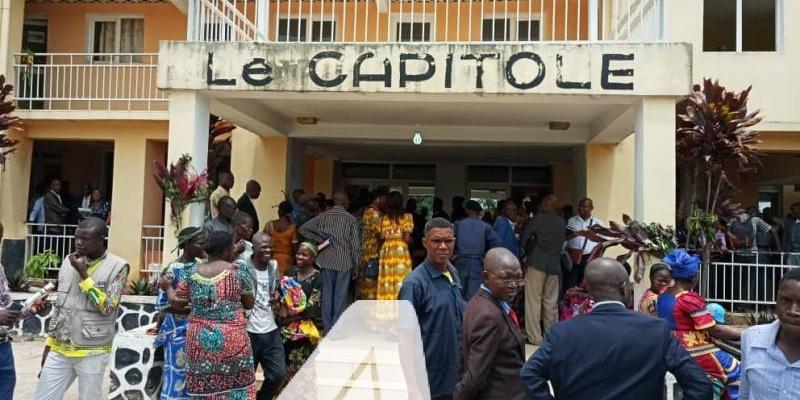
{"x":295,"y":165}
{"x":609,"y":178}
{"x":655,"y":160}
{"x":323,"y":176}
{"x":563,"y":176}
{"x":262,"y":159}
{"x":12,"y":18}
{"x":130,"y":171}
{"x":188,"y":134}
{"x":14,"y":184}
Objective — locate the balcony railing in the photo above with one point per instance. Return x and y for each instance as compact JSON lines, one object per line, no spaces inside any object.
{"x":152,"y":250}
{"x":88,"y":81}
{"x":391,"y":21}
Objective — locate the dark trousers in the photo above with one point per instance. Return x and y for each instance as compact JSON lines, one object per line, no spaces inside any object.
{"x":575,"y":276}
{"x":268,"y":351}
{"x":335,"y":285}
{"x":470,"y":272}
{"x":8,"y":377}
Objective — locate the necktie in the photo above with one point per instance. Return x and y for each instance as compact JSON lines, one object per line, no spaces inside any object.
{"x":513,"y":316}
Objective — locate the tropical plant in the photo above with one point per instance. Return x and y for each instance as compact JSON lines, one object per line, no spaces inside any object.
{"x":16,"y":282}
{"x":182,"y":185}
{"x":219,"y":144}
{"x":141,"y":287}
{"x":640,"y":240}
{"x":27,"y":59}
{"x":37,"y":265}
{"x":7,"y":122}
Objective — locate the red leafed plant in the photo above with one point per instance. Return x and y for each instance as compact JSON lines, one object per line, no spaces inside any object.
{"x":7,"y":145}
{"x":181,"y":184}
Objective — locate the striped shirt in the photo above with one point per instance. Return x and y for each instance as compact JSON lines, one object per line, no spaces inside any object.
{"x":342,"y":228}
{"x":766,"y":374}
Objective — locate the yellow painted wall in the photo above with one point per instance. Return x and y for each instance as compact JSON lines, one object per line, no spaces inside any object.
{"x":153,"y":196}
{"x":610,"y":178}
{"x":262,"y":159}
{"x":323,"y":176}
{"x":563,"y":176}
{"x":14,"y":187}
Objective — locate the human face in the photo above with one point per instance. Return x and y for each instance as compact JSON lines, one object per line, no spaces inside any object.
{"x":88,"y":242}
{"x":510,"y":209}
{"x":660,"y":280}
{"x":56,"y":186}
{"x":788,"y":306}
{"x":263,"y":251}
{"x":227,"y":209}
{"x":505,"y":283}
{"x":304,"y":257}
{"x":96,"y":196}
{"x":796,"y":211}
{"x":439,"y":243}
{"x":195,"y":248}
{"x":585,"y":209}
{"x":245,"y":230}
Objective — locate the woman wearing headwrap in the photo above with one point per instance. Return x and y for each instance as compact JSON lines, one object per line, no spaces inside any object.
{"x":173,"y":320}
{"x":300,"y":314}
{"x":686,"y":314}
{"x":660,"y":279}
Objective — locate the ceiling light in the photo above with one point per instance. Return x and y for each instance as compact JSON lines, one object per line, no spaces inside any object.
{"x":307,"y":120}
{"x":417,"y":137}
{"x":559,"y":125}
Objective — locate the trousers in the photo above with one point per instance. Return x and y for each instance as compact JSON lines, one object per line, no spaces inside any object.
{"x":8,"y":377}
{"x":541,"y":303}
{"x":60,"y":371}
{"x":268,"y":351}
{"x":335,"y":285}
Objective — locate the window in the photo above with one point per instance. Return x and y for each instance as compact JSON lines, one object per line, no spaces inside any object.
{"x":413,"y":31}
{"x":740,"y":25}
{"x":414,"y":172}
{"x":503,"y":29}
{"x":117,"y":35}
{"x":323,"y":31}
{"x":365,"y":171}
{"x":487,"y":173}
{"x":216,"y":32}
{"x":292,"y":30}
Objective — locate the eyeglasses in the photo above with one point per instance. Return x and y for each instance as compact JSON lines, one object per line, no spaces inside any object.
{"x":510,"y":280}
{"x":439,"y":242}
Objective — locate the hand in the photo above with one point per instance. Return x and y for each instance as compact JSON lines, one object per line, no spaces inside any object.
{"x":153,"y":331}
{"x":165,"y":282}
{"x":238,"y":247}
{"x":80,"y":264}
{"x":8,"y":317}
{"x":39,"y":306}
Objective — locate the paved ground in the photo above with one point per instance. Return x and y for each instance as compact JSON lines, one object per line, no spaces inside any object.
{"x":27,"y":358}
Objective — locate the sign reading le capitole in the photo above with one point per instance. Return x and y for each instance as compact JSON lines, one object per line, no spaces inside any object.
{"x":629,"y":69}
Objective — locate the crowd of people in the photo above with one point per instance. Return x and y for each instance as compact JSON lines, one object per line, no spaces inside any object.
{"x":243,"y":294}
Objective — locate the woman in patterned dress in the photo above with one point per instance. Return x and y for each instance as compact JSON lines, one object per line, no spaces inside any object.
{"x":686,"y":315}
{"x":395,"y":259}
{"x":371,"y":242}
{"x":660,"y":279}
{"x":219,"y":357}
{"x":299,"y":338}
{"x":173,"y":321}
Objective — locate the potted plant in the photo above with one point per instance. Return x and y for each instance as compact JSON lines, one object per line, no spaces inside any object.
{"x":182,"y":185}
{"x":36,"y":267}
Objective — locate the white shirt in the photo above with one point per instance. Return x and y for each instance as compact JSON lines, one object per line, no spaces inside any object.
{"x":578,"y":224}
{"x":262,"y":319}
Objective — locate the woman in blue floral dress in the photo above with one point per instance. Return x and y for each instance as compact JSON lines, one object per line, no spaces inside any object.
{"x":219,"y":362}
{"x":173,"y":321}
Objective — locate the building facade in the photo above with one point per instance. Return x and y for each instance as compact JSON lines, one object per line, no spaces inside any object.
{"x":510,"y":98}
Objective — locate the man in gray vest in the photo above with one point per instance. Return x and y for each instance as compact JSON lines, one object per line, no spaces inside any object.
{"x":90,"y":286}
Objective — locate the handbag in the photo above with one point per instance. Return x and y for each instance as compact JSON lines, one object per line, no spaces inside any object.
{"x":372,"y":269}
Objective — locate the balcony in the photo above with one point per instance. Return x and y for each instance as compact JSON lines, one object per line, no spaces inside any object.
{"x":454,"y":21}
{"x":119,"y":85}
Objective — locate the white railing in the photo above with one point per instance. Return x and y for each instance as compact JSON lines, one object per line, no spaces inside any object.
{"x":60,"y":239}
{"x":88,"y":81}
{"x":746,"y":281}
{"x":152,"y":249}
{"x":390,"y":21}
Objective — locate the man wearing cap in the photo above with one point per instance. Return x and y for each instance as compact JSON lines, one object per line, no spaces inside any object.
{"x":473,"y":239}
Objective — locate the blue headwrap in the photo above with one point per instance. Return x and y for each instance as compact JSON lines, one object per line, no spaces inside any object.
{"x":717,"y":312}
{"x":683,"y":264}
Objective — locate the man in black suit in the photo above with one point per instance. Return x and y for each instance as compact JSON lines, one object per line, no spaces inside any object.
{"x":245,"y":203}
{"x":493,"y":350}
{"x":611,"y":353}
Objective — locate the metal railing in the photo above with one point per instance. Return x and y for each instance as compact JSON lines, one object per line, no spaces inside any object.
{"x":152,"y":250}
{"x":392,"y":21}
{"x":60,"y":239}
{"x":88,"y":81}
{"x":745,"y":280}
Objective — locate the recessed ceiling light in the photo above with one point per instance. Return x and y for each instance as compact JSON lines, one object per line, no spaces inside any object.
{"x":307,"y":120}
{"x":559,"y":125}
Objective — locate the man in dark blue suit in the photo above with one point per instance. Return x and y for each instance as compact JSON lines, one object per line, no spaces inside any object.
{"x":611,"y":353}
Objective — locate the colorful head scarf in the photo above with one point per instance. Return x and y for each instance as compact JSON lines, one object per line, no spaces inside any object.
{"x":311,"y":247}
{"x":717,"y":312}
{"x":187,"y":234}
{"x":683,"y":264}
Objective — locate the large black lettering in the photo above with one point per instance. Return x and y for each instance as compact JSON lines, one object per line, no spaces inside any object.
{"x":386,"y":76}
{"x":429,"y":70}
{"x":561,"y":83}
{"x":606,"y":72}
{"x":210,"y":74}
{"x":448,"y":71}
{"x":326,"y":83}
{"x":512,"y":80}
{"x":258,"y":66}
{"x":479,"y":64}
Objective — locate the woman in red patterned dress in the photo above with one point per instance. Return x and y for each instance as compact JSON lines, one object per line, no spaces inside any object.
{"x":219,"y":357}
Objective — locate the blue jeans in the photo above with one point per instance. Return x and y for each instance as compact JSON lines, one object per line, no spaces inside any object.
{"x":470,"y":272}
{"x":268,"y":351}
{"x":8,"y":377}
{"x":335,"y":285}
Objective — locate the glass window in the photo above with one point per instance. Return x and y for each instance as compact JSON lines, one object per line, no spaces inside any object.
{"x":414,"y":172}
{"x":365,"y":171}
{"x":118,"y":35}
{"x":496,"y":30}
{"x":528,"y":30}
{"x":487,"y":173}
{"x":758,"y":25}
{"x":292,"y":30}
{"x":531,"y":175}
{"x":323,"y":31}
{"x":719,"y":25}
{"x":413,"y":32}
{"x":757,"y":29}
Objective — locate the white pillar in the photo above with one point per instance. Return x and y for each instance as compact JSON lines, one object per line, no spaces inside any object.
{"x":654,"y":185}
{"x":262,"y":18}
{"x":188,"y":134}
{"x":594,"y":17}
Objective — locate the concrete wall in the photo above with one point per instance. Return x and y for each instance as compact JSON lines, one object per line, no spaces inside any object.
{"x":610,"y":178}
{"x":262,"y":159}
{"x":451,"y":180}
